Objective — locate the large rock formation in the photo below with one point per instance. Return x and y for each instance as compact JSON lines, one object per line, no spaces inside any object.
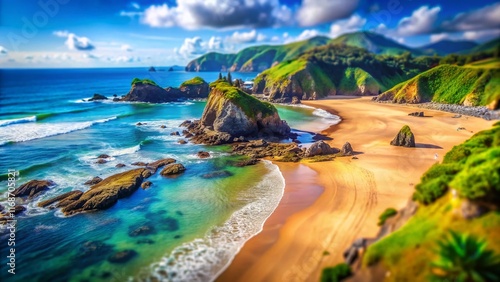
{"x":33,"y":188}
{"x":148,"y":91}
{"x":195,"y":88}
{"x":404,"y":138}
{"x":229,"y":110}
{"x":319,"y":148}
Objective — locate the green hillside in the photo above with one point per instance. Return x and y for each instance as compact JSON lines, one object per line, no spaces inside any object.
{"x":374,"y":43}
{"x":256,"y":58}
{"x":453,"y":236}
{"x":338,"y":70}
{"x":490,"y":46}
{"x":464,"y":85}
{"x":445,"y":47}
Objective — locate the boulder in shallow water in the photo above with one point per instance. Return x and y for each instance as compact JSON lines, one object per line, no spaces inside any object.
{"x":107,"y":192}
{"x":103,"y":156}
{"x":72,"y":195}
{"x":154,"y":166}
{"x":139,"y":164}
{"x":101,"y":161}
{"x":146,"y":184}
{"x":97,"y":97}
{"x":93,"y":181}
{"x":203,"y":155}
{"x":33,"y":188}
{"x":142,"y":230}
{"x":120,"y":165}
{"x":122,"y":256}
{"x":173,"y":169}
{"x":19,"y":209}
{"x":217,"y":174}
{"x":404,"y":138}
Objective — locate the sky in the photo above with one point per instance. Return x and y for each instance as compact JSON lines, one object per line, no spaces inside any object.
{"x":117,"y":33}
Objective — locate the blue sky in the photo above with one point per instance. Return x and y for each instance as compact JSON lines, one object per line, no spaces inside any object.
{"x":98,"y":33}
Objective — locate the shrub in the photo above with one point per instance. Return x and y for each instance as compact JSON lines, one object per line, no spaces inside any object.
{"x":429,"y":191}
{"x":480,"y":180}
{"x":465,"y":258}
{"x":388,"y":213}
{"x":336,"y":273}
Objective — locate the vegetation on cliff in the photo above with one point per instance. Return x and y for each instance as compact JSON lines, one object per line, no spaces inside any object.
{"x":143,"y":81}
{"x":255,"y":58}
{"x":249,"y":104}
{"x":339,"y":69}
{"x":469,"y":86}
{"x":460,"y":196}
{"x":193,"y":81}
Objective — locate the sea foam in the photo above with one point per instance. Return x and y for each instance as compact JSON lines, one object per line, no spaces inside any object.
{"x":21,"y":132}
{"x":6,"y":122}
{"x":204,"y":259}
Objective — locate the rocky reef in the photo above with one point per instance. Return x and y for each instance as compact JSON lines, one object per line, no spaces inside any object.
{"x":231,"y":115}
{"x":146,"y":90}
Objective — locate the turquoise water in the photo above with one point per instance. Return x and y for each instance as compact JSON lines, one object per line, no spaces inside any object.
{"x":48,"y":132}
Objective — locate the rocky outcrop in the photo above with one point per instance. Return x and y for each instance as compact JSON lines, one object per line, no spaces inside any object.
{"x":346,"y":149}
{"x":61,"y":198}
{"x":102,"y":195}
{"x":93,"y":181}
{"x":195,"y":88}
{"x":203,"y":154}
{"x":173,"y":169}
{"x":256,"y":149}
{"x":404,"y":138}
{"x":416,"y":114}
{"x":97,"y":97}
{"x":320,"y":148}
{"x":230,"y":114}
{"x":33,"y":188}
{"x":154,"y":166}
{"x":145,"y":92}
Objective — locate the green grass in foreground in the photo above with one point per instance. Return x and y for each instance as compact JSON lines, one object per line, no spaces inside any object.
{"x":336,"y":273}
{"x":409,"y":253}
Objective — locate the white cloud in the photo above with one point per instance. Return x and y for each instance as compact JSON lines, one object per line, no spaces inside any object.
{"x":191,"y":47}
{"x":196,"y":14}
{"x":131,"y":14}
{"x":246,"y":37}
{"x":487,"y":17}
{"x":313,"y":12}
{"x":3,"y":51}
{"x":421,"y":21}
{"x":482,"y":35}
{"x":195,"y":46}
{"x":75,"y":42}
{"x":126,"y":47}
{"x":126,"y":59}
{"x":306,"y":34}
{"x":352,"y":24}
{"x":439,"y":37}
{"x":214,"y":44}
{"x":61,"y":33}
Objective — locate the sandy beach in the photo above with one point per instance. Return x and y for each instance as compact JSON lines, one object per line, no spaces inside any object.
{"x":327,"y":205}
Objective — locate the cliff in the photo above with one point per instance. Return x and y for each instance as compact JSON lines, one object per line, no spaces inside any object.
{"x":448,"y":84}
{"x":337,"y":70}
{"x":232,"y":115}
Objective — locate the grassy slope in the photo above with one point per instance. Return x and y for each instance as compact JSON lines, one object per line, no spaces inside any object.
{"x":449,"y":84}
{"x":193,"y":81}
{"x":259,"y":55}
{"x":408,"y":252}
{"x":485,"y":47}
{"x":249,"y":104}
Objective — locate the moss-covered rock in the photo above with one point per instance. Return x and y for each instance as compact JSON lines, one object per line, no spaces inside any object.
{"x":404,"y":138}
{"x":230,"y":110}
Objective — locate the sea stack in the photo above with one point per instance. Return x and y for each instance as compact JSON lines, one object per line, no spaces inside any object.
{"x":404,"y":138}
{"x":231,"y":114}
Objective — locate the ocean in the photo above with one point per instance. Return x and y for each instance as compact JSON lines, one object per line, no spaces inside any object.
{"x":48,"y":131}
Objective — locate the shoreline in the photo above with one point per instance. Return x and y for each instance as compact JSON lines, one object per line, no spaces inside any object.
{"x":355,"y":191}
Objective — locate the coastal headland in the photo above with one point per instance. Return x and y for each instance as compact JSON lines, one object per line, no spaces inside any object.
{"x":327,"y":205}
